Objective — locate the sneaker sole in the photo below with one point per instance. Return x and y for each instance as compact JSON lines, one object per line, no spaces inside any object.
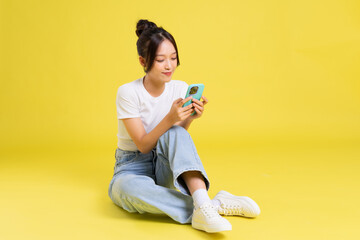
{"x":248,"y":200}
{"x":210,"y":228}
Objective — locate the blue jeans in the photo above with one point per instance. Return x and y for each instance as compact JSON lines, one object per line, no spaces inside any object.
{"x":151,"y":182}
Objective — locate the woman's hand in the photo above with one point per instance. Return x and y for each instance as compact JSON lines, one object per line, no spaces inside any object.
{"x":178,"y":113}
{"x":198,"y":106}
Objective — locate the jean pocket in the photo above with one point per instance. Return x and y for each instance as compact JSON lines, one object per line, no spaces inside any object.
{"x":124,"y":157}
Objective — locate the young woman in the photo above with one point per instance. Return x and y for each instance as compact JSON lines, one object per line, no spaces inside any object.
{"x":157,"y":168}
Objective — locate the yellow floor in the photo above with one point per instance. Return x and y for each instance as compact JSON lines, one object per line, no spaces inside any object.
{"x":305,"y":191}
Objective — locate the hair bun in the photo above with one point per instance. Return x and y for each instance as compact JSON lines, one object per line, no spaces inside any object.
{"x":143,"y":25}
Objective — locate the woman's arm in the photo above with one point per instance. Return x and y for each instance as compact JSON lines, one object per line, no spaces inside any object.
{"x":185,"y":124}
{"x":147,"y":141}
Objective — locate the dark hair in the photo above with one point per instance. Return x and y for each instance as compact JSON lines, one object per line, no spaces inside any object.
{"x":150,"y":38}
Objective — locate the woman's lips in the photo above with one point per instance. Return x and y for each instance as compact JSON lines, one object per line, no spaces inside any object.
{"x":167,"y":73}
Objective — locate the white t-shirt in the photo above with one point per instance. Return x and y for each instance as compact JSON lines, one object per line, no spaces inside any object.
{"x":134,"y":101}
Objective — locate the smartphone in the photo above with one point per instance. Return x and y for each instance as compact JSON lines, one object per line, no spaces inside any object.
{"x":194,"y":90}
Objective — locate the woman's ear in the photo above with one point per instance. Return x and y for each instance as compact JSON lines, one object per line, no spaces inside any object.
{"x":142,"y":61}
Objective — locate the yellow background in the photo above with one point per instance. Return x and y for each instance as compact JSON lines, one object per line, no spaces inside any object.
{"x":282,"y":124}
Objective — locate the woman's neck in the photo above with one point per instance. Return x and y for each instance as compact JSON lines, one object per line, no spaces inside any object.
{"x":154,"y":88}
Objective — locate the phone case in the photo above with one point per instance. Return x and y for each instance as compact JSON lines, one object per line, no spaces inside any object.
{"x":197,"y":95}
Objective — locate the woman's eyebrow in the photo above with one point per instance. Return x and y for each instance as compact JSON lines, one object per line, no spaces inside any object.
{"x":164,"y":54}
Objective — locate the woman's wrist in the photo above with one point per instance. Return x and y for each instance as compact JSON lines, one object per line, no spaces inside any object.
{"x":186,"y":123}
{"x":170,"y":120}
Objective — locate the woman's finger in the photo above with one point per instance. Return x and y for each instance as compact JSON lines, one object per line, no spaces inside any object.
{"x":187,"y":114}
{"x":200,"y":108}
{"x":177,"y":101}
{"x":198,"y":102}
{"x":198,"y":112}
{"x":184,"y":101}
{"x":188,"y":107}
{"x":205,"y":100}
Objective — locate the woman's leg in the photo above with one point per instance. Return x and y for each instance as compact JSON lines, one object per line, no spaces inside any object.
{"x":178,"y":144}
{"x":196,"y":185}
{"x":133,"y":188}
{"x":194,"y":181}
{"x":138,"y":193}
{"x":178,"y":165}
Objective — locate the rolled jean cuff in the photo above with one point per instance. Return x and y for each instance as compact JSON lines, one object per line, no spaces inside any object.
{"x":180,"y":184}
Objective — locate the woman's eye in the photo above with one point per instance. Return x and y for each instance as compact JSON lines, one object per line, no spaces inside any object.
{"x":163,"y":60}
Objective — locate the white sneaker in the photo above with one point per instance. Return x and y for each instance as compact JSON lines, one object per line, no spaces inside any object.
{"x":207,"y":218}
{"x":235,"y":205}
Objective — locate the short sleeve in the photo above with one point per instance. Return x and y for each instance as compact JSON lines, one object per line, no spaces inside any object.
{"x":184,"y":89}
{"x":126,"y":103}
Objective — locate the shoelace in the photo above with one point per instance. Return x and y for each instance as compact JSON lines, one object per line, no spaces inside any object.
{"x":231,"y":209}
{"x":210,"y":211}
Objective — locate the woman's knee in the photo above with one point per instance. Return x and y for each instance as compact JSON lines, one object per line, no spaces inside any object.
{"x":129,"y":185}
{"x":178,"y":130}
{"x":131,"y":192}
{"x":174,"y":132}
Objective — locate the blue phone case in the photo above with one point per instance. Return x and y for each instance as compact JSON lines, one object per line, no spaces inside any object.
{"x":197,"y":94}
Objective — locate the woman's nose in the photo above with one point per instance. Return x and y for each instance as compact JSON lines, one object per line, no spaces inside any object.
{"x":167,"y":64}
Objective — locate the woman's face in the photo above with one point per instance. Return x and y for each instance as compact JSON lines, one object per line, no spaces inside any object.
{"x":165,"y":62}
